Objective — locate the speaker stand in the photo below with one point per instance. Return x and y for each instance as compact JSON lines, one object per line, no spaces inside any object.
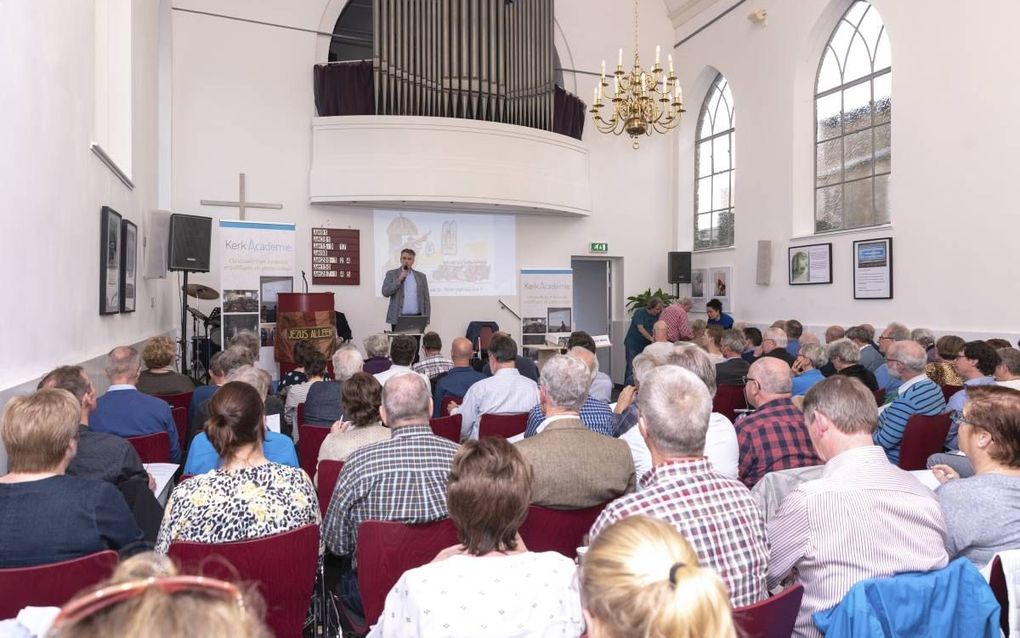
{"x":184,"y":325}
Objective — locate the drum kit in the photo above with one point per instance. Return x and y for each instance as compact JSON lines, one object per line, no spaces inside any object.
{"x":204,"y":346}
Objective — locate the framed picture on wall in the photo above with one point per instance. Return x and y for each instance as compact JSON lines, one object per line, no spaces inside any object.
{"x":810,"y":264}
{"x":109,"y":261}
{"x":128,"y":265}
{"x":873,"y":268}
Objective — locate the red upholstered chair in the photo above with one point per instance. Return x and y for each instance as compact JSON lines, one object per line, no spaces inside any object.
{"x":310,"y":438}
{"x":949,"y":390}
{"x":300,"y":414}
{"x":771,"y":618}
{"x":445,"y":402}
{"x":924,"y":436}
{"x":152,"y":448}
{"x":484,"y":337}
{"x":54,"y":584}
{"x":282,"y":566}
{"x":504,"y":425}
{"x":879,"y":396}
{"x":728,"y":399}
{"x":184,"y":477}
{"x":180,"y":404}
{"x":549,"y":530}
{"x":329,"y":472}
{"x":386,"y":550}
{"x":447,"y":427}
{"x":997,"y":581}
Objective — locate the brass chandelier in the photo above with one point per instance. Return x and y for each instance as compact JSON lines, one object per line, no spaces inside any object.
{"x":643,"y":102}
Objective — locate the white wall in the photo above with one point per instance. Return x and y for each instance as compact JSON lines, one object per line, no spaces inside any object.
{"x":954,"y":144}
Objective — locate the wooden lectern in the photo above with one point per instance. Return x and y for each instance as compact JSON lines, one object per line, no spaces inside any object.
{"x":304,"y":316}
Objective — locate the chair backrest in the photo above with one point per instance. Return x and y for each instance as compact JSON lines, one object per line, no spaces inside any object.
{"x":924,"y":436}
{"x":771,"y":618}
{"x":328,"y":473}
{"x":949,"y":390}
{"x":504,"y":425}
{"x":184,"y":477}
{"x":387,"y":549}
{"x":728,"y":399}
{"x":54,"y":584}
{"x":997,"y":581}
{"x":879,"y":396}
{"x":181,"y":421}
{"x":282,"y":566}
{"x":182,"y":400}
{"x":549,"y":530}
{"x":445,"y":402}
{"x":447,"y":427}
{"x":484,"y":337}
{"x":152,"y":448}
{"x":300,"y":413}
{"x":310,"y":438}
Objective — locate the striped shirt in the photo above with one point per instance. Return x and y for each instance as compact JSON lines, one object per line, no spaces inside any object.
{"x":595,"y":415}
{"x":918,"y":395}
{"x":505,"y":392}
{"x":865,"y":518}
{"x":402,"y":479}
{"x":717,"y":516}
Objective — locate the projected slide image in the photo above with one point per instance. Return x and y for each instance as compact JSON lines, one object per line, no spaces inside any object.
{"x":559,"y":320}
{"x":534,"y":325}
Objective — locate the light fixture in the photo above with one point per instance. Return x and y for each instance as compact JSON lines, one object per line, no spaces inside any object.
{"x":643,"y":102}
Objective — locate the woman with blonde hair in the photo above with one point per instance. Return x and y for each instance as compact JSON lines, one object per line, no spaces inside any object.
{"x":641,"y":579}
{"x":159,"y":377}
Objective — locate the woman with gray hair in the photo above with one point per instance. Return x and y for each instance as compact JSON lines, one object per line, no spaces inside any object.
{"x":845,"y":357}
{"x":806,"y":368}
{"x":377,"y":351}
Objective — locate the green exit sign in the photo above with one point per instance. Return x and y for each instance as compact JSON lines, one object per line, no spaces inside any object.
{"x":599,"y":247}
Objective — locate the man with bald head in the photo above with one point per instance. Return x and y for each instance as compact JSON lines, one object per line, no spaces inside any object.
{"x":773,"y":437}
{"x":459,"y":378}
{"x":125,"y":411}
{"x":916,"y":395}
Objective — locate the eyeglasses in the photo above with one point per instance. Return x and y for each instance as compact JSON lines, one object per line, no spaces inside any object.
{"x":105,"y":597}
{"x":885,"y":338}
{"x":745,"y":379}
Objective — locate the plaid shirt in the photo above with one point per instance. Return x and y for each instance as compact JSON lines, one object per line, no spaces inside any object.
{"x":401,"y":479}
{"x":771,"y":438}
{"x":677,"y":327}
{"x":596,"y":416}
{"x":433,"y":366}
{"x":717,"y":515}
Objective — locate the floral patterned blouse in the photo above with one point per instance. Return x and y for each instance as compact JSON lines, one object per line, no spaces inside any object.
{"x":223,"y":506}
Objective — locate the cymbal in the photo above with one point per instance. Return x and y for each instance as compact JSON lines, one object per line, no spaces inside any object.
{"x":201,"y":292}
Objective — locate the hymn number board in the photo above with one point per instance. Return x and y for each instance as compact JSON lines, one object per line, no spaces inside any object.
{"x":336,"y":257}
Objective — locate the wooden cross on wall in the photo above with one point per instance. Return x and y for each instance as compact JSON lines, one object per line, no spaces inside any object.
{"x":241,"y":204}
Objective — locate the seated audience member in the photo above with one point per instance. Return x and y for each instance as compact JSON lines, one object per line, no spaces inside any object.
{"x":489,"y":584}
{"x":203,"y":393}
{"x":505,"y":392}
{"x":221,"y":365}
{"x":159,"y":355}
{"x":433,"y":363}
{"x":943,"y":371}
{"x":314,"y":372}
{"x":625,"y":413}
{"x":806,"y":367}
{"x":997,"y":343}
{"x":844,"y":355}
{"x":794,"y":331}
{"x":864,"y":519}
{"x":594,"y":414}
{"x":146,"y":597}
{"x":525,"y":366}
{"x":773,"y":344}
{"x":402,"y":478}
{"x":460,"y":377}
{"x":917,"y":395}
{"x":1007,"y":373}
{"x":249,"y":341}
{"x":247,"y":496}
{"x":716,"y":514}
{"x":402,"y":351}
{"x":302,"y":350}
{"x":752,"y":344}
{"x":573,"y":466}
{"x":832,"y":333}
{"x":322,"y":405}
{"x":869,"y":356}
{"x":773,"y":437}
{"x":781,"y":324}
{"x":893,"y":332}
{"x":377,"y":351}
{"x":601,"y":386}
{"x":732,"y":369}
{"x":716,"y":316}
{"x":721,"y":448}
{"x":976,"y":362}
{"x":361,"y":398}
{"x":277,"y":448}
{"x":640,"y":577}
{"x":698,"y":329}
{"x":660,"y":332}
{"x":926,"y":338}
{"x":712,"y":343}
{"x":105,"y":456}
{"x":983,"y":512}
{"x":125,"y":411}
{"x":675,"y":316}
{"x":49,"y":517}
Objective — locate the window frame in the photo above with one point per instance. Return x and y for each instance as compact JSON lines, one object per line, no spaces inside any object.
{"x":721,"y":85}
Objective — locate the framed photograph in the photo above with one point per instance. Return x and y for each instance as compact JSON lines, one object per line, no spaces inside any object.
{"x":873,"y":262}
{"x":809,"y":264}
{"x":109,"y":261}
{"x":128,"y":265}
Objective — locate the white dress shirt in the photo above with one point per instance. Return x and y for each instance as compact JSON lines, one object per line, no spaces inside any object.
{"x":394,"y":370}
{"x":505,"y":392}
{"x":721,"y":447}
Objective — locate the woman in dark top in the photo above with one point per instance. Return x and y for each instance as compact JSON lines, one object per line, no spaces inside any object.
{"x":845,"y":357}
{"x":49,"y":517}
{"x":160,"y":377}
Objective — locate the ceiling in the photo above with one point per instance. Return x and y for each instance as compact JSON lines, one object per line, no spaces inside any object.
{"x":682,"y":11}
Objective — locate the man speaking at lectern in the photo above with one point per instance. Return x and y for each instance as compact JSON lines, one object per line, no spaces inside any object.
{"x":408,"y":295}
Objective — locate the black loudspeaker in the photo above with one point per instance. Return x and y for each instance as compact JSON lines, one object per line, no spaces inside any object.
{"x":190,"y":238}
{"x":679,"y":268}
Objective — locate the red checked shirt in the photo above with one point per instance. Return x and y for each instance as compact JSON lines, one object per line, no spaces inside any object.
{"x":717,"y":516}
{"x":677,"y":328}
{"x":771,"y":438}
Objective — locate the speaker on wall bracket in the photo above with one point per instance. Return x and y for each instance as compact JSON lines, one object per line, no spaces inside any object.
{"x":190,"y":243}
{"x":679,"y":267}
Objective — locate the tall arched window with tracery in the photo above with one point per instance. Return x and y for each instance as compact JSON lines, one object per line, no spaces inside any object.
{"x":714,"y":170}
{"x":853,"y":108}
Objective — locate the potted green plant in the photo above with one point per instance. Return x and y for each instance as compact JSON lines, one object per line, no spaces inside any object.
{"x":641,"y":299}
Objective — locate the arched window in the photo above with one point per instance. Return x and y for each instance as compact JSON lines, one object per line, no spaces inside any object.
{"x":713,"y":168}
{"x":352,"y":35}
{"x":853,"y":108}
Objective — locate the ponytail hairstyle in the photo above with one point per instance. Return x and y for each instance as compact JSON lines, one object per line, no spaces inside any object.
{"x":641,"y":579}
{"x":235,"y":418}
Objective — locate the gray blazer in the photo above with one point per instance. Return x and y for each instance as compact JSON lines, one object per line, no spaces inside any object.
{"x":393,"y":288}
